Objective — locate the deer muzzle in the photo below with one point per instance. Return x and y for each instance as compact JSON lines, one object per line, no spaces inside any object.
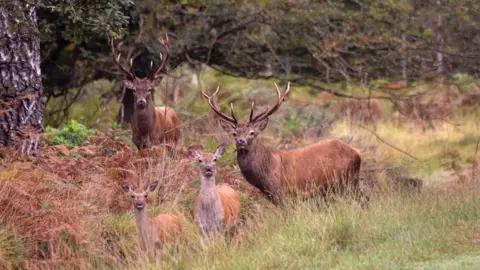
{"x":139,"y":205}
{"x":141,"y":103}
{"x":208,"y":171}
{"x":241,"y":143}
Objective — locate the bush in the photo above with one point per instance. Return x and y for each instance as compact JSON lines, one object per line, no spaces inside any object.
{"x":72,"y":134}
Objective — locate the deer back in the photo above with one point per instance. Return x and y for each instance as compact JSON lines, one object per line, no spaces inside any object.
{"x":167,"y":227}
{"x":166,"y":124}
{"x":319,"y":165}
{"x":230,"y":202}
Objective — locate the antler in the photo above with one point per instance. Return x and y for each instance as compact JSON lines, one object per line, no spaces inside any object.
{"x":269,"y":112}
{"x":213,"y":105}
{"x":162,"y":66}
{"x":116,"y":58}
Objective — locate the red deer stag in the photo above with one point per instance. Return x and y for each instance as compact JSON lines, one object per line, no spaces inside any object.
{"x":155,"y":232}
{"x":301,"y":172}
{"x":216,"y":204}
{"x":151,"y":125}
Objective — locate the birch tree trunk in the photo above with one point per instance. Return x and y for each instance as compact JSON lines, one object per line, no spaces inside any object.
{"x":21,"y":90}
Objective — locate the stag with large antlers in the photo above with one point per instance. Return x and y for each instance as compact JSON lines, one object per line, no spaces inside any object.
{"x":151,"y":125}
{"x":303,"y":172}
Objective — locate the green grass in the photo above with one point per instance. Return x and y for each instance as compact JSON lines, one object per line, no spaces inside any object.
{"x":395,"y":232}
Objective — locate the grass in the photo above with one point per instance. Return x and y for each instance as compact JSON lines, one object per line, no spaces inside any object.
{"x":69,"y":212}
{"x":397,"y":232}
{"x":435,"y":150}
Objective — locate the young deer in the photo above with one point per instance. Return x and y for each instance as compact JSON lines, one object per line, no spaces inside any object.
{"x":216,"y":204}
{"x":301,"y":172}
{"x":154,"y":232}
{"x":151,"y":125}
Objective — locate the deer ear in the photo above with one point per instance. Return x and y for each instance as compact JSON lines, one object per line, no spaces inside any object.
{"x":152,"y":186}
{"x":157,"y":81}
{"x":220,"y":150}
{"x":128,"y":84}
{"x":261,"y":125}
{"x":193,"y":153}
{"x":126,"y":188}
{"x":226,"y":126}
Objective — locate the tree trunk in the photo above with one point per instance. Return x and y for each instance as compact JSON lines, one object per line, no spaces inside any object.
{"x":404,"y":60}
{"x":439,"y":39}
{"x":21,"y":90}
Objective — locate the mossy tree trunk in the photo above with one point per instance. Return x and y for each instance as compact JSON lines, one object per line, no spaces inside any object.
{"x":21,"y":90}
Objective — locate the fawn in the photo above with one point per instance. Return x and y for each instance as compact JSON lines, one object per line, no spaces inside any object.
{"x":215,"y":204}
{"x":154,"y":231}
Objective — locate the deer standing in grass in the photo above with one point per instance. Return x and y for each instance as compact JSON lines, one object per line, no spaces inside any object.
{"x":151,"y":125}
{"x":216,"y":204}
{"x":301,"y":172}
{"x":154,"y":232}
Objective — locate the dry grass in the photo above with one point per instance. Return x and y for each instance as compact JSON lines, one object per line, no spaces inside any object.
{"x":66,"y":210}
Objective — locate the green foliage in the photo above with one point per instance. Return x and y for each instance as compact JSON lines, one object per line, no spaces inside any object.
{"x":80,"y":20}
{"x":72,"y":134}
{"x":293,"y":122}
{"x":465,"y":82}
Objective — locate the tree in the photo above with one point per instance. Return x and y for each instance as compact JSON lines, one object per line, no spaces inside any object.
{"x":21,"y":90}
{"x":305,"y":42}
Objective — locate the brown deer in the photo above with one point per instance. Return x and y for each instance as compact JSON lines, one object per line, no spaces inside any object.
{"x":216,"y":204}
{"x":151,"y":125}
{"x":300,"y":172}
{"x":154,"y":232}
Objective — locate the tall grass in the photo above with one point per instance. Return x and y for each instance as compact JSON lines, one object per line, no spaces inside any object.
{"x":397,"y":231}
{"x":68,"y":211}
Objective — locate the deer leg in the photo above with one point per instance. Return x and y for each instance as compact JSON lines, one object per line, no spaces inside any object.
{"x":157,"y":251}
{"x":137,"y":140}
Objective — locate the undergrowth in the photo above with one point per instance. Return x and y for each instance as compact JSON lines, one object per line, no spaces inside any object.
{"x":72,"y":134}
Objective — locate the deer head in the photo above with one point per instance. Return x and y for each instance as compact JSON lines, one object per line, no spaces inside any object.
{"x":245,"y":133}
{"x":142,"y":87}
{"x":139,"y":196}
{"x":206,"y":161}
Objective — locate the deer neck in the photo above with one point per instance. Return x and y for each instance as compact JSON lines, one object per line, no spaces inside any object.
{"x":144,"y":234}
{"x":256,"y":164}
{"x":210,"y":211}
{"x":145,"y":118}
{"x":208,"y":193}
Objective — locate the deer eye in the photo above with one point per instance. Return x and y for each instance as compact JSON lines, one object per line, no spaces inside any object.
{"x":133,"y":196}
{"x":199,"y":161}
{"x":214,"y":159}
{"x":252,"y":132}
{"x":234,"y":134}
{"x":146,"y":195}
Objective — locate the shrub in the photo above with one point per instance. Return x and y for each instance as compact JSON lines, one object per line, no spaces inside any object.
{"x":72,"y":134}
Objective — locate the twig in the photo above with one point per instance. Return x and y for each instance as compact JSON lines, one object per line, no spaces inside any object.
{"x":389,"y":144}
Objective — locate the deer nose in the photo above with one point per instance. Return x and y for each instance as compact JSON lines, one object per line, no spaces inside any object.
{"x":208,"y":169}
{"x":241,"y":142}
{"x":141,"y":103}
